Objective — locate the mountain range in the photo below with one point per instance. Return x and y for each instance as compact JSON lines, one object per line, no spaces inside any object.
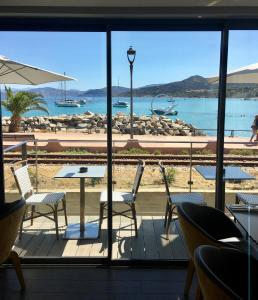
{"x":194,"y":86}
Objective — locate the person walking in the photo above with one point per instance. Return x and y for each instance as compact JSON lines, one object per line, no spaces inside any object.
{"x":254,"y":129}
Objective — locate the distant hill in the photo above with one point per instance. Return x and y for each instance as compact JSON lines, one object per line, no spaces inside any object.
{"x":116,"y":91}
{"x":194,"y":86}
{"x":184,"y":87}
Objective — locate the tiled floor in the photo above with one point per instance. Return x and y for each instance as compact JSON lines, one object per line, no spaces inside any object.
{"x":78,"y":283}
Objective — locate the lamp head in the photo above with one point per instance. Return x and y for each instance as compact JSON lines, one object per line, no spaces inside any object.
{"x":131,"y":53}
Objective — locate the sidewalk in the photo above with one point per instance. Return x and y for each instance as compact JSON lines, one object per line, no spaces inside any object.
{"x":166,"y":144}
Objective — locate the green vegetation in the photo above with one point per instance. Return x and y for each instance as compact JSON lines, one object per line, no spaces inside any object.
{"x":243,"y":152}
{"x":95,"y":181}
{"x":77,"y":151}
{"x":133,"y":151}
{"x":184,"y":152}
{"x":34,"y":152}
{"x":20,"y":103}
{"x":171,"y":175}
{"x":157,"y":152}
{"x":204,"y":152}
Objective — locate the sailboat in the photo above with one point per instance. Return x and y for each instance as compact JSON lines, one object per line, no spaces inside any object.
{"x":169,"y":111}
{"x":68,"y":102}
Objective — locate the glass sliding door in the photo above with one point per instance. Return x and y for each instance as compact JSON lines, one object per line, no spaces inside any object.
{"x":241,"y":149}
{"x":65,"y":144}
{"x":174,"y":102}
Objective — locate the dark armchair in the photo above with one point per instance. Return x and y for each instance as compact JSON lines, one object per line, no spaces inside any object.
{"x":226,"y":273}
{"x":204,"y":225}
{"x":10,"y":218}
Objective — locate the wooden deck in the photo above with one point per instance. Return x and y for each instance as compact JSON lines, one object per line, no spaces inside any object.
{"x":40,"y":240}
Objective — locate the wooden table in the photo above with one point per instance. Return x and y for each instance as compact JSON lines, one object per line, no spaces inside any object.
{"x":82,"y":230}
{"x":248,"y":220}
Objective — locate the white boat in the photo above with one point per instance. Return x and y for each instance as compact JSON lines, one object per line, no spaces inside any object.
{"x":68,"y":103}
{"x":169,"y":111}
{"x":120,"y":104}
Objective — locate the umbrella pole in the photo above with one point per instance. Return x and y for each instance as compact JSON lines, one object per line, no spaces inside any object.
{"x":2,"y":192}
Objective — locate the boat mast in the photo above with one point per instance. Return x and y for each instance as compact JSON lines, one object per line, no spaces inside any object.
{"x":64,"y":89}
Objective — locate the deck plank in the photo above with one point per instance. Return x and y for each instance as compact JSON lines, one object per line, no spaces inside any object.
{"x":163,"y":244}
{"x":149,"y":238}
{"x":137,"y":244}
{"x":40,"y":240}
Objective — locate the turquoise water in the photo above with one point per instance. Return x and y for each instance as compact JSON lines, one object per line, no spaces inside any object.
{"x":200,"y":112}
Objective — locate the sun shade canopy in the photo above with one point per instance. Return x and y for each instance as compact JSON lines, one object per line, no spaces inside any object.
{"x":12,"y":72}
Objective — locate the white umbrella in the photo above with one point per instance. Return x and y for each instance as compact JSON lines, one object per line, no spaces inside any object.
{"x":12,"y":72}
{"x":246,"y":74}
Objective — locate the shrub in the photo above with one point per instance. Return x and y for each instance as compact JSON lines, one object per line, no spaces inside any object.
{"x":95,"y":181}
{"x":204,"y":152}
{"x":76,"y":151}
{"x":171,"y":175}
{"x":157,"y":152}
{"x":133,"y":151}
{"x":244,"y":152}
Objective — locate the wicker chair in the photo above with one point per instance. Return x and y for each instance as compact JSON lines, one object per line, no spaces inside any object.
{"x":10,"y":218}
{"x":204,"y":225}
{"x":127,"y":198}
{"x":33,"y":200}
{"x":175,"y":199}
{"x":219,"y":273}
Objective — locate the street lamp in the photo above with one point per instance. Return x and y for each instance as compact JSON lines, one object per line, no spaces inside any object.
{"x":131,"y":57}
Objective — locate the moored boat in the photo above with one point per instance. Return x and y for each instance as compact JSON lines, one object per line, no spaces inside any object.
{"x":120,"y":104}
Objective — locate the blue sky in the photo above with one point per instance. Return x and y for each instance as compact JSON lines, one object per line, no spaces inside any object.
{"x":161,"y":56}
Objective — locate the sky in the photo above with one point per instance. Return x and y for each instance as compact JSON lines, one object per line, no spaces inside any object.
{"x":161,"y":57}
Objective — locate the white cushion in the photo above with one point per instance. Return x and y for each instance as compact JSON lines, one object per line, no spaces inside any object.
{"x":187,"y":197}
{"x":118,"y":197}
{"x":45,"y":198}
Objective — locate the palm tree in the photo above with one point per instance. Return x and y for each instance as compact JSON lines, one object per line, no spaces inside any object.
{"x":20,"y":103}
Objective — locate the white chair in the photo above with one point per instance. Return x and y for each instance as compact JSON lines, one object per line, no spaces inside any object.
{"x":33,"y":199}
{"x":175,"y":199}
{"x":251,"y":199}
{"x":127,"y":198}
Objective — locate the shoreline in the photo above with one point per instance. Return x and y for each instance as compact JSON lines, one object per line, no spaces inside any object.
{"x":89,"y":122}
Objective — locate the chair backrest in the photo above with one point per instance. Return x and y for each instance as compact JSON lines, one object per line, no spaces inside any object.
{"x":226,"y":273}
{"x":164,"y":177}
{"x":138,"y":177}
{"x":10,"y":217}
{"x":23,"y":182}
{"x":204,"y":225}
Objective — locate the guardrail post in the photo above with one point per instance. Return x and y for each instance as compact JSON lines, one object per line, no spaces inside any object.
{"x":190,"y":182}
{"x":36,"y":164}
{"x":24,"y":153}
{"x":232,"y":133}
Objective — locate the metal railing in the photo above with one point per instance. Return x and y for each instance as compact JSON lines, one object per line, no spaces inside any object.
{"x":191,"y":151}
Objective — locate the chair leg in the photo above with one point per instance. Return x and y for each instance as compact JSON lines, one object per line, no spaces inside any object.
{"x":17,"y":265}
{"x":189,"y":278}
{"x":56,"y":220}
{"x":169,"y":220}
{"x":135,"y":219}
{"x":198,"y":295}
{"x":32,"y":214}
{"x":65,"y":213}
{"x":101,"y":214}
{"x":21,"y":224}
{"x":166,"y":215}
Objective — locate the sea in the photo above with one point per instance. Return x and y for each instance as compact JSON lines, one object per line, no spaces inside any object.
{"x":200,"y":112}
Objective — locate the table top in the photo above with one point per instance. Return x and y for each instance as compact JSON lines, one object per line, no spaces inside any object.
{"x":74,"y":172}
{"x":248,"y":220}
{"x":231,"y":173}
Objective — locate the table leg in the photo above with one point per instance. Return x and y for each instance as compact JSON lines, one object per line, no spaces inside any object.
{"x":82,"y":205}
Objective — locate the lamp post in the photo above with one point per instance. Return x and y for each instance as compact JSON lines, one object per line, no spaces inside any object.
{"x":131,"y":57}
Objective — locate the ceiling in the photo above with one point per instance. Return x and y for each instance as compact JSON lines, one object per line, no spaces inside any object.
{"x":132,"y":8}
